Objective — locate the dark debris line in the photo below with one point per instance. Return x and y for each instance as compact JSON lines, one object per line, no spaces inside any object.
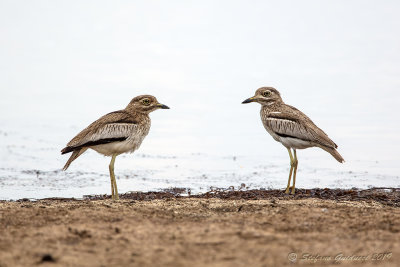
{"x":385,"y":196}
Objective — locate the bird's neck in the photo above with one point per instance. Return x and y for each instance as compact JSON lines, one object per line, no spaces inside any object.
{"x":141,"y":115}
{"x":271,"y":106}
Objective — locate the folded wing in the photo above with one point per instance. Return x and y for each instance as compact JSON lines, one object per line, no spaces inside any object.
{"x":113,"y":127}
{"x":290,"y":125}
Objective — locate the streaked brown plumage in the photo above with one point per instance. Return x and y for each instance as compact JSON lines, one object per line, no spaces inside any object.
{"x":291,"y":127}
{"x":115,"y":133}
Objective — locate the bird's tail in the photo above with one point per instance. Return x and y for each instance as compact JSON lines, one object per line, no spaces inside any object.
{"x":74,"y":156}
{"x":334,"y":153}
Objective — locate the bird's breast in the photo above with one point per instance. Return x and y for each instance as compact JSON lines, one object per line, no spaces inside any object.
{"x":135,"y":137}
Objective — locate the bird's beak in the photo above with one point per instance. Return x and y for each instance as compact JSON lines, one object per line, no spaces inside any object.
{"x":162,"y":106}
{"x":249,"y":100}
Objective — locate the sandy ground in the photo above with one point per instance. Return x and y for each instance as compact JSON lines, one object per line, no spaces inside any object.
{"x":274,"y":230}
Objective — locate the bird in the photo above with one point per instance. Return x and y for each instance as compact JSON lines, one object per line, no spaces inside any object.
{"x":291,"y":127}
{"x":115,"y":133}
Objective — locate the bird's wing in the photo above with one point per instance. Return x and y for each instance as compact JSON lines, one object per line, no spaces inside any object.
{"x":114,"y":126}
{"x":294,"y":123}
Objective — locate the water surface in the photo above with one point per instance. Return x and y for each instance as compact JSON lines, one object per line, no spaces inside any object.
{"x":338,"y":62}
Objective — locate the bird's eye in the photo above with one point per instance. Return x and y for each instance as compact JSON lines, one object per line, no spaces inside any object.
{"x":146,"y":102}
{"x":266,"y":93}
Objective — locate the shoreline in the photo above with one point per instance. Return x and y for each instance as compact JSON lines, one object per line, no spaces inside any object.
{"x":384,"y":195}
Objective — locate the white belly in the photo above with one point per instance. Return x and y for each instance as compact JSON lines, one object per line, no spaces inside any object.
{"x":116,"y":147}
{"x":295,"y":143}
{"x":289,"y":142}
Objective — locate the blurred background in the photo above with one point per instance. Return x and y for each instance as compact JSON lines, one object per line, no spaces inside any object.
{"x":66,"y":63}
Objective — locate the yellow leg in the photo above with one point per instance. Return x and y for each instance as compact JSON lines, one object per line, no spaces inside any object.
{"x":112,"y":184}
{"x":290,"y":173}
{"x":114,"y":190}
{"x":295,"y":171}
{"x":111,"y":169}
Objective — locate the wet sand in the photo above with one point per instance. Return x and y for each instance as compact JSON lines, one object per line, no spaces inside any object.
{"x":219,"y":228}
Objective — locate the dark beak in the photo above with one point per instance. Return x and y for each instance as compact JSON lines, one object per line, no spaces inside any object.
{"x":163,"y":106}
{"x":248,"y":100}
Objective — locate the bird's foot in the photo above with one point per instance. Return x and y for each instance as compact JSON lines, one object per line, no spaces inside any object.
{"x":114,"y":197}
{"x":290,"y":190}
{"x":287,"y":189}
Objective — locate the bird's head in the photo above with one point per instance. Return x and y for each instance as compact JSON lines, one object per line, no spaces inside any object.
{"x":265,"y":96}
{"x":145,"y":104}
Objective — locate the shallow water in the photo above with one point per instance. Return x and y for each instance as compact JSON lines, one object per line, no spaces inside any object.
{"x":32,"y":169}
{"x":202,"y":60}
